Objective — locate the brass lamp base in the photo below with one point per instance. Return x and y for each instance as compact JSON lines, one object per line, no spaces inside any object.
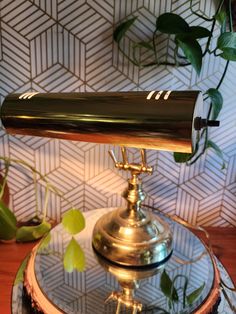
{"x":132,"y":237}
{"x":144,"y":241}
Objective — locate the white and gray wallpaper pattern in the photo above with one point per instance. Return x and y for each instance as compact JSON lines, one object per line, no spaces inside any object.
{"x":67,"y":46}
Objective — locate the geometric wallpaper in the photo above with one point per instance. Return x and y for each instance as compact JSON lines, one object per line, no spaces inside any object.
{"x":67,"y":46}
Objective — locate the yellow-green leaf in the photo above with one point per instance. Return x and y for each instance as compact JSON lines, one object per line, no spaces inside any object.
{"x":31,"y":233}
{"x":74,"y":257}
{"x":20,"y":274}
{"x":73,"y":221}
{"x":44,"y":242}
{"x":7,"y":222}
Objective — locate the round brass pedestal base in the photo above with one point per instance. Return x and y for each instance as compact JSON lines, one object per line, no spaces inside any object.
{"x":141,"y":241}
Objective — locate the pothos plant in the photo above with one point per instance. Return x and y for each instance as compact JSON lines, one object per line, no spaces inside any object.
{"x":176,"y":294}
{"x":188,"y":45}
{"x":38,"y":225}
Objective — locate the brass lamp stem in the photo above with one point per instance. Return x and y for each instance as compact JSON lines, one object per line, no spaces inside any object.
{"x":134,"y":194}
{"x":130,"y":236}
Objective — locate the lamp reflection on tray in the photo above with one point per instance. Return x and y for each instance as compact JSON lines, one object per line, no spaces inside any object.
{"x":85,"y":292}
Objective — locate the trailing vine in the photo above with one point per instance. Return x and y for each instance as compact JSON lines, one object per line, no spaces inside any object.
{"x":38,"y":225}
{"x":187,"y":49}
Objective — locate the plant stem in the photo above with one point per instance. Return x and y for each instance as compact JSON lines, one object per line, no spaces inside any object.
{"x":35,"y":171}
{"x":223,"y":75}
{"x":212,"y":28}
{"x":154,"y":45}
{"x":199,"y":15}
{"x":4,"y":182}
{"x":128,"y":57}
{"x":46,"y":202}
{"x":36,"y":195}
{"x":230,"y":16}
{"x":192,"y":161}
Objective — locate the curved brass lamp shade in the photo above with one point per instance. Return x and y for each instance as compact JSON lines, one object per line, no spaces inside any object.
{"x":156,"y":120}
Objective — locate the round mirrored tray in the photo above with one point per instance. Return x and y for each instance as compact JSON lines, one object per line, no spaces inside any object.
{"x":191,"y":267}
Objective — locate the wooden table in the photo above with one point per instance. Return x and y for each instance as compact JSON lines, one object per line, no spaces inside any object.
{"x":11,"y":255}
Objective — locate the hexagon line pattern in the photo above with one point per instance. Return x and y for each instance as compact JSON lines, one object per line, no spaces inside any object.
{"x":67,"y":46}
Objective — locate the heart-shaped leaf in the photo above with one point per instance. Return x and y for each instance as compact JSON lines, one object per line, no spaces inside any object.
{"x":170,"y":23}
{"x":73,"y":221}
{"x":216,"y":100}
{"x":199,"y":32}
{"x":167,"y":287}
{"x":181,"y":157}
{"x":192,"y":297}
{"x":122,"y":29}
{"x":7,"y":223}
{"x":227,"y":40}
{"x":191,"y":49}
{"x":74,"y":257}
{"x":229,"y":54}
{"x":31,"y":233}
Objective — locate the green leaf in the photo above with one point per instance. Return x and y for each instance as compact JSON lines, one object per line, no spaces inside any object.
{"x":229,"y":54}
{"x":181,"y":157}
{"x":216,"y":100}
{"x":227,"y":40}
{"x":122,"y":29}
{"x":143,"y":44}
{"x":45,"y":242}
{"x":191,"y":49}
{"x":217,"y":150}
{"x":74,"y":257}
{"x":31,"y":233}
{"x":170,"y":23}
{"x":199,"y":32}
{"x":192,"y":297}
{"x":20,"y":274}
{"x":7,"y":222}
{"x":167,"y":287}
{"x":73,"y":221}
{"x":221,"y":18}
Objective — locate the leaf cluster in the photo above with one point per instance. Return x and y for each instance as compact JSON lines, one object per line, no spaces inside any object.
{"x":189,"y":50}
{"x":168,"y":288}
{"x":10,"y":229}
{"x":186,"y":38}
{"x":37,"y":226}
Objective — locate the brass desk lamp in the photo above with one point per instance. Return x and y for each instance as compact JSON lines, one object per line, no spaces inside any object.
{"x":162,"y":120}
